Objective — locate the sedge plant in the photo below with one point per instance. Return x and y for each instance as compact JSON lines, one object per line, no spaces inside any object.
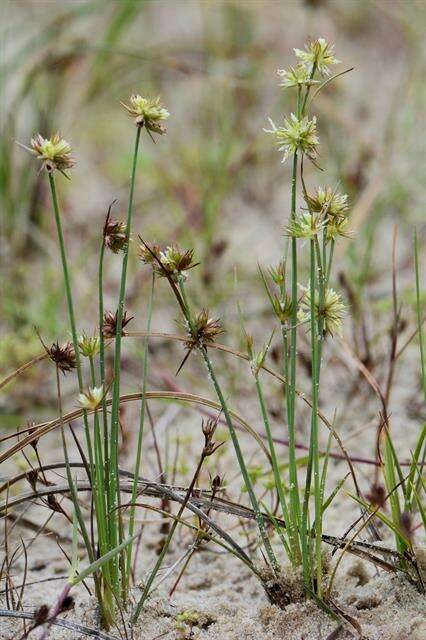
{"x":316,"y":307}
{"x":102,"y":465}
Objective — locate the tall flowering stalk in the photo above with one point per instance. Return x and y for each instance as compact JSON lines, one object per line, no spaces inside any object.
{"x":55,"y":155}
{"x":321,"y":308}
{"x":148,"y":114}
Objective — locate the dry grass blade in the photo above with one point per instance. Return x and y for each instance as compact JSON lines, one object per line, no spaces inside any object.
{"x":46,"y":427}
{"x":65,"y":624}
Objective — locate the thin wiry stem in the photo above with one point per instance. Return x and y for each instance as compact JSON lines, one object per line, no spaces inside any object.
{"x":105,"y":611}
{"x":232,"y":431}
{"x":166,"y":543}
{"x":140,"y":433}
{"x":113,"y":481}
{"x":67,"y":282}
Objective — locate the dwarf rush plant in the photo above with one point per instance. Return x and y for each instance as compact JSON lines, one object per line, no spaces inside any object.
{"x":112,"y":581}
{"x":306,"y":308}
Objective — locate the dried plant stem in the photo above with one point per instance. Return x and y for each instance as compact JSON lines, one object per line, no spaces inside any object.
{"x":170,"y":535}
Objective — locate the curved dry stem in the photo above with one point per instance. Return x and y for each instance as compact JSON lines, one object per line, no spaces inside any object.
{"x":220,"y":347}
{"x":203,"y":499}
{"x":22,"y":368}
{"x":45,"y":427}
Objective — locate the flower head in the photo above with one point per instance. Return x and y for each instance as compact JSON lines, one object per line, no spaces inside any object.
{"x":278,"y":273}
{"x":205,"y":329}
{"x":115,"y":237}
{"x":63,"y":356}
{"x":54,"y":152}
{"x":329,"y":202}
{"x":257,"y":358}
{"x":174,"y":260}
{"x":147,"y":112}
{"x":282,"y":306}
{"x":89,"y":345}
{"x":306,"y":225}
{"x":296,"y":76}
{"x":338,"y":227}
{"x":296,"y":134}
{"x":109,"y":327}
{"x":91,"y":398}
{"x":319,"y":53}
{"x":332,"y":311}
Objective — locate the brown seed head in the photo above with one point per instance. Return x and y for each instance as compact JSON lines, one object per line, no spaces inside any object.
{"x":205,"y":329}
{"x":63,"y":356}
{"x":41,"y":615}
{"x":216,"y":482}
{"x":115,"y":237}
{"x":67,"y":603}
{"x":377,"y":495}
{"x":109,"y":327}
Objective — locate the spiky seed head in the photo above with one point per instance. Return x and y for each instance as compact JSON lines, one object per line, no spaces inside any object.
{"x":109,"y":327}
{"x":338,"y":227}
{"x":53,"y":152}
{"x":89,"y":345}
{"x":115,"y":236}
{"x":282,"y":307}
{"x":177,"y":259}
{"x":328,"y":202}
{"x":147,"y":112}
{"x":174,"y":260}
{"x":205,"y":330}
{"x":146,"y":255}
{"x":306,"y":225}
{"x":208,"y":428}
{"x":319,"y":53}
{"x":297,"y":76}
{"x":257,"y":359}
{"x":297,"y":134}
{"x":332,"y":311}
{"x":63,"y":356}
{"x":91,"y":398}
{"x":278,"y":273}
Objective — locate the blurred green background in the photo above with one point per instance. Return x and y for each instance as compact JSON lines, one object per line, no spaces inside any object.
{"x":215,"y":181}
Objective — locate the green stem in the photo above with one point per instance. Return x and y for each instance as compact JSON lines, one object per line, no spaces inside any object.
{"x":107,"y":614}
{"x":114,"y":483}
{"x":276,"y":471}
{"x":136,"y":472}
{"x":98,"y":487}
{"x":67,"y":282}
{"x":102,"y":352}
{"x":233,"y":433}
{"x":291,"y":400}
{"x":240,"y":458}
{"x":314,"y":427}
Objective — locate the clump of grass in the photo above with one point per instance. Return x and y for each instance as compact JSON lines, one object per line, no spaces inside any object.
{"x":311,"y":233}
{"x":112,"y":580}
